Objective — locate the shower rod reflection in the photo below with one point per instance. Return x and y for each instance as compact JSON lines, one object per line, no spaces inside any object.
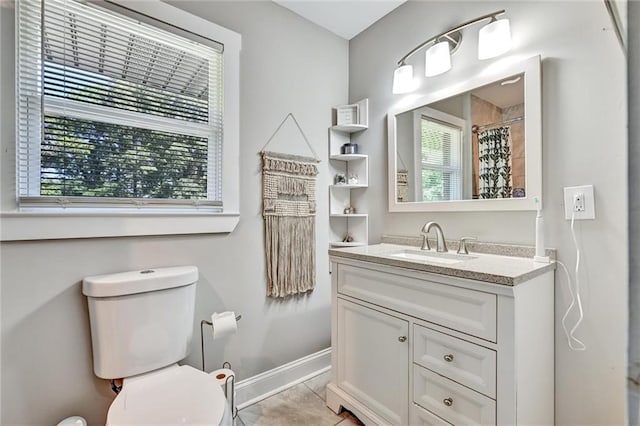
{"x":475,"y":128}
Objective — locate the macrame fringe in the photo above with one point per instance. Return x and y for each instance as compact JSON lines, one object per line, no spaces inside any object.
{"x":290,"y":250}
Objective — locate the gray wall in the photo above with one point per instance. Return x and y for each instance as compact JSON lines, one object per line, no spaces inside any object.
{"x":584,"y":142}
{"x":287,"y":65}
{"x":634,"y":212}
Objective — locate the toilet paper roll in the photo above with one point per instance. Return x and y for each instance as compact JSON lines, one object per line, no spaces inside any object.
{"x":224,"y":324}
{"x":220,"y":376}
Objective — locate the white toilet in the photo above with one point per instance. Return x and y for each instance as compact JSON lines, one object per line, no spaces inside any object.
{"x":73,"y":421}
{"x":141,"y":326}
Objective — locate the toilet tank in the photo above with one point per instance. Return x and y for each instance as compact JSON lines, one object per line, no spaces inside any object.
{"x":140,"y":320}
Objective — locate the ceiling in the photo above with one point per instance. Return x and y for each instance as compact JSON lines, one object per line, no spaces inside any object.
{"x":503,"y":95}
{"x":344,"y":18}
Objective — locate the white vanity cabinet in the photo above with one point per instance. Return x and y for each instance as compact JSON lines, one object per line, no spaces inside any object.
{"x":420,"y":348}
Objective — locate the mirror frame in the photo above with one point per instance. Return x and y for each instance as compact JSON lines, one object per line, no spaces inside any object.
{"x":533,"y":140}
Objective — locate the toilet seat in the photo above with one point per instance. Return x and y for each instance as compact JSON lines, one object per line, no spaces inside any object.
{"x":174,"y":395}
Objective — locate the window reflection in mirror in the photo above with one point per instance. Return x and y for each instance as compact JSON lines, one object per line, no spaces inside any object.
{"x":470,"y":146}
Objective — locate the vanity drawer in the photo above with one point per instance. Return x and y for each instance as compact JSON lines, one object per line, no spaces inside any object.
{"x":454,"y":403}
{"x":468,"y":311}
{"x":464,"y":362}
{"x":421,"y":417}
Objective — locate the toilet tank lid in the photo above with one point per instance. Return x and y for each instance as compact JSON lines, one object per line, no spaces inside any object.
{"x":142,"y":281}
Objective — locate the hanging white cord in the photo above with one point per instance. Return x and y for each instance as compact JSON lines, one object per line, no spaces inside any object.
{"x":573,"y":342}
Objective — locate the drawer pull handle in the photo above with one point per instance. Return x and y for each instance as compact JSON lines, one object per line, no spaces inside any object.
{"x":448,"y":402}
{"x":402,"y":339}
{"x":448,"y":357}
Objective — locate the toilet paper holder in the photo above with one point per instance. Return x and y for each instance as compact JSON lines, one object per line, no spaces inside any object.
{"x":209,"y":323}
{"x":234,"y":409}
{"x":227,"y":394}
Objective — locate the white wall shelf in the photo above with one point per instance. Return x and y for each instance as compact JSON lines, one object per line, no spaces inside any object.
{"x":354,"y":166}
{"x":341,"y":244}
{"x":358,"y":120}
{"x":350,"y":185}
{"x":347,"y":157}
{"x":350,"y":128}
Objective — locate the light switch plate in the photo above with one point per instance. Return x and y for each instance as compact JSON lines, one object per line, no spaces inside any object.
{"x":589,"y":202}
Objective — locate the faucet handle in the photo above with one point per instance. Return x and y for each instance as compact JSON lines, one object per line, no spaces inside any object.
{"x":462,"y":248}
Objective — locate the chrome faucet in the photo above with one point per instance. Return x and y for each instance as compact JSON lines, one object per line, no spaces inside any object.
{"x":441,"y":245}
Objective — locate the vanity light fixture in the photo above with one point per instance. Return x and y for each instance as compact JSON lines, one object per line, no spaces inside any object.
{"x":493,"y":39}
{"x":437,"y":59}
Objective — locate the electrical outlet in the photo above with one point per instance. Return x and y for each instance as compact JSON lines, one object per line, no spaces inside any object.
{"x":580,"y":202}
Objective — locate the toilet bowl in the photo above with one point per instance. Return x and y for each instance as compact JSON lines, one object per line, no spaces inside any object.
{"x":174,"y":395}
{"x":73,"y":421}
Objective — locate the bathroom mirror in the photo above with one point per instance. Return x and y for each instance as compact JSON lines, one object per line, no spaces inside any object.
{"x":474,"y":146}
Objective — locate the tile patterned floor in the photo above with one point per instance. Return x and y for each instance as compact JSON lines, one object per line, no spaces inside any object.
{"x":303,"y":404}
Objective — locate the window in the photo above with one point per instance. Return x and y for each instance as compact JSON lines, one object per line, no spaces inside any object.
{"x":144,"y":149}
{"x":440,"y":161}
{"x":115,"y":113}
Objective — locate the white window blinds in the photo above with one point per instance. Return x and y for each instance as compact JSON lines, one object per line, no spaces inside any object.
{"x":441,"y":158}
{"x":115,"y":111}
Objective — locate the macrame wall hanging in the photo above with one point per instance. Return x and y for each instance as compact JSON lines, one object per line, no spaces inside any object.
{"x":289,"y":211}
{"x":402,"y":181}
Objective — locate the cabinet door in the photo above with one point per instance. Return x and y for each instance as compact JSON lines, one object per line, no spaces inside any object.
{"x":373,"y":360}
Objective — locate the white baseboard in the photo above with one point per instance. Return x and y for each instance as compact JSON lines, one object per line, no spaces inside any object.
{"x":263,"y":385}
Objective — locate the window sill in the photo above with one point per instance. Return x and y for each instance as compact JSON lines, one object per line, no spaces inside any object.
{"x":23,"y":226}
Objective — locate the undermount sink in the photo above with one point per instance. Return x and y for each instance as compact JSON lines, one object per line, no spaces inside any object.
{"x":431,"y":256}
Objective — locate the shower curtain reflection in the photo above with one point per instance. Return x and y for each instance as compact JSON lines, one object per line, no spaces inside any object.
{"x":495,"y":163}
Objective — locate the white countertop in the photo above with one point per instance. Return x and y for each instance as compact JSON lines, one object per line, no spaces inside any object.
{"x":491,"y":268}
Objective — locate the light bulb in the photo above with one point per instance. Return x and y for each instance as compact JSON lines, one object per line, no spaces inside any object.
{"x":403,"y":81}
{"x":437,"y":59}
{"x":494,"y":39}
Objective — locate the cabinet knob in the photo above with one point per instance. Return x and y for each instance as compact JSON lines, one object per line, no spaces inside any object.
{"x":448,"y":402}
{"x":402,"y":339}
{"x":448,"y":357}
